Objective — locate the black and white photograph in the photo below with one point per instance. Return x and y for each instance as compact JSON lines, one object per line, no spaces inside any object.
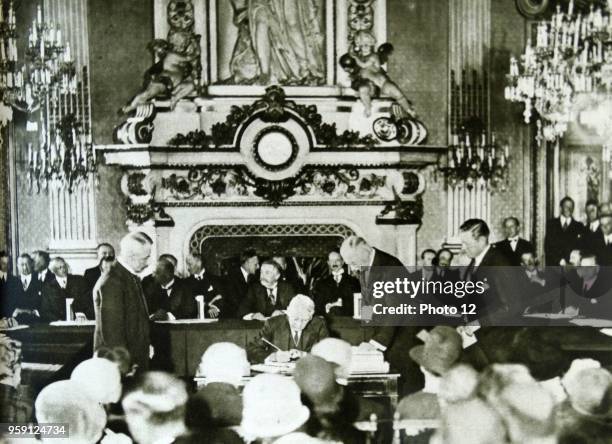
{"x":306,"y":221}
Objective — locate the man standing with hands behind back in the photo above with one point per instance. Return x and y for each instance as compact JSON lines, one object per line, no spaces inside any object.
{"x":122,"y":317}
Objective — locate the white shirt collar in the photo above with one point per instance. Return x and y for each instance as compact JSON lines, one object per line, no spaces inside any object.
{"x":26,"y":277}
{"x":127,"y":267}
{"x":513,"y":239}
{"x":593,"y":226}
{"x":245,"y":274}
{"x":42,"y":274}
{"x":201,"y":274}
{"x":3,"y":275}
{"x":372,"y":254}
{"x":478,"y":259}
{"x":62,"y":281}
{"x":169,"y":285}
{"x":565,"y":220}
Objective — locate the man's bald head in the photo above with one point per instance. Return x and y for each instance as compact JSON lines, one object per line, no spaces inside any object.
{"x":356,"y":252}
{"x":135,"y":250}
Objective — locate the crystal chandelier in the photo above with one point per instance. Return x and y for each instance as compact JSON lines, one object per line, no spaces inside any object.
{"x":46,"y":86}
{"x":565,"y":58}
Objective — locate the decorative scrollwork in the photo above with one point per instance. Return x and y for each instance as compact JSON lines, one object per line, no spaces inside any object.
{"x":273,"y":107}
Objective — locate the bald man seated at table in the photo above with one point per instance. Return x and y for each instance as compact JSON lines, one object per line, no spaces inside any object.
{"x":288,"y":336}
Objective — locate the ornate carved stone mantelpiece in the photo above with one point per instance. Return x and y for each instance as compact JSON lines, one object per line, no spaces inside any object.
{"x":275,"y":161}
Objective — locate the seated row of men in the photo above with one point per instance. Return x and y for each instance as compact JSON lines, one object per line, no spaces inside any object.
{"x":43,"y":285}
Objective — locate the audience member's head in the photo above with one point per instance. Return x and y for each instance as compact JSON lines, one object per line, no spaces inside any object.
{"x":281,"y":261}
{"x":65,"y":402}
{"x":529,"y":261}
{"x":272,"y":407}
{"x":106,"y":263}
{"x":118,"y":355}
{"x":164,"y":272}
{"x":441,"y":351}
{"x":496,"y":377}
{"x":249,"y":260}
{"x":590,"y":392}
{"x":195,"y":263}
{"x":335,"y":262}
{"x":224,"y":362}
{"x":4,"y":261}
{"x":567,"y":206}
{"x":317,"y":380}
{"x":605,"y":223}
{"x":427,"y":257}
{"x":588,"y":268}
{"x":591,"y":208}
{"x":300,"y":312}
{"x":155,"y":409}
{"x":105,"y":250}
{"x":41,"y":260}
{"x":470,"y":422}
{"x":444,"y":258}
{"x":337,"y":352}
{"x":135,"y":250}
{"x":170,"y":258}
{"x":604,"y":208}
{"x":511,"y":227}
{"x":458,"y":384}
{"x":356,"y":252}
{"x":474,"y":235}
{"x":100,"y":379}
{"x":528,"y":412}
{"x":269,"y":273}
{"x":24,"y":264}
{"x":58,"y":267}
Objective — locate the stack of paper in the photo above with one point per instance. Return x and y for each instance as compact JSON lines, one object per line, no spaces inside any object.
{"x":368,"y":362}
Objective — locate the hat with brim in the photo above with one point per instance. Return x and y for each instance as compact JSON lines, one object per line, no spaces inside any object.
{"x":442,"y":350}
{"x":272,"y":407}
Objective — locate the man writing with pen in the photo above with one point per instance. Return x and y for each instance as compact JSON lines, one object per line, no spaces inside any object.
{"x":289,"y":336}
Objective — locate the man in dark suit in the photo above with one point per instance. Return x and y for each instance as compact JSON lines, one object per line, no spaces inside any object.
{"x":563,"y":234}
{"x":394,"y":342}
{"x":491,"y":266}
{"x":64,"y":286}
{"x":269,"y":296}
{"x":533,"y":284}
{"x":24,"y":293}
{"x":41,"y":261}
{"x":592,"y":294}
{"x":237,"y":282}
{"x":600,"y":242}
{"x":92,"y":275}
{"x":591,"y":209}
{"x":4,"y":277}
{"x":122,"y":316}
{"x":513,"y":246}
{"x":204,"y":283}
{"x":426,"y":268}
{"x":168,"y":297}
{"x":333,"y":294}
{"x":294,"y":333}
{"x":292,"y":274}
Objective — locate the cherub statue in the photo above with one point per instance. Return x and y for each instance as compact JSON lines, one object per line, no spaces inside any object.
{"x":364,"y":64}
{"x":177,"y":73}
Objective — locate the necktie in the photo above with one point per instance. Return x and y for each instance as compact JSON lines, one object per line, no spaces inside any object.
{"x":168,"y":291}
{"x":25,"y":283}
{"x":271,"y":296}
{"x":565,"y":225}
{"x":296,"y":338}
{"x":337,"y":278}
{"x":470,"y":270}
